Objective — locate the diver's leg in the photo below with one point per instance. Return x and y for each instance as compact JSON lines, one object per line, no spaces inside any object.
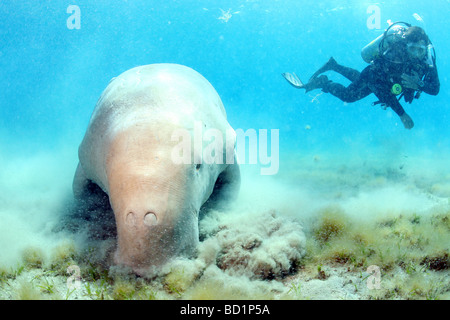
{"x":350,"y":73}
{"x":357,"y":90}
{"x":354,"y":92}
{"x":331,"y":65}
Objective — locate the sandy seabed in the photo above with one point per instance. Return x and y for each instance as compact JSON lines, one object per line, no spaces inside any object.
{"x":323,"y":228}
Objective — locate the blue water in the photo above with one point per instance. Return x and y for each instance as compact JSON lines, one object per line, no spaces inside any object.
{"x":51,"y":76}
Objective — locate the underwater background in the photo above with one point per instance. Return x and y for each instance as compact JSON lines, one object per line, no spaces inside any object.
{"x":356,"y":155}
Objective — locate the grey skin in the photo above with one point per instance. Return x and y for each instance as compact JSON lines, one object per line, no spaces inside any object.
{"x":128,"y":151}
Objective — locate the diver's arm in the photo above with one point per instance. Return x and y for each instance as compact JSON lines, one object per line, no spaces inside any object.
{"x":382,"y":92}
{"x":431,"y":82}
{"x":396,"y":106}
{"x":408,"y":123}
{"x":391,"y":101}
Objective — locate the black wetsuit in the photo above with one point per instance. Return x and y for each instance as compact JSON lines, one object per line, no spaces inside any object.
{"x":378,"y":78}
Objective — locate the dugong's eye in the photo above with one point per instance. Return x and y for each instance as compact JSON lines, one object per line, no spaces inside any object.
{"x":198,"y":166}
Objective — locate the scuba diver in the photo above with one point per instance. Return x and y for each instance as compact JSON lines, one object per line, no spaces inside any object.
{"x":402,"y":64}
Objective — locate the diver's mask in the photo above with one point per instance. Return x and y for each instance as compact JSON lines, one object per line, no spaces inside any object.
{"x":416,"y":50}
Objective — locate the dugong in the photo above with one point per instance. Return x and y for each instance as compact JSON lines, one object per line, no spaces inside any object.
{"x":141,"y":148}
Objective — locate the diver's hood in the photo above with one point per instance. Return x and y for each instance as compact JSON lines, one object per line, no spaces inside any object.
{"x":391,"y":45}
{"x":393,"y":37}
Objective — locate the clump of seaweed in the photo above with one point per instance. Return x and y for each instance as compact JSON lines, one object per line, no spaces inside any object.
{"x":206,"y":288}
{"x":123,"y":290}
{"x":410,"y":249}
{"x":437,"y":262}
{"x":182,"y":274}
{"x":62,"y":257}
{"x":332,"y":223}
{"x":33,"y":257}
{"x":27,"y":291}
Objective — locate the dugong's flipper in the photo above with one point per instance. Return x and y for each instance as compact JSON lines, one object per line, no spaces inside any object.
{"x":88,"y":196}
{"x":80,"y":183}
{"x":228,"y":183}
{"x":91,"y":209}
{"x":226,"y":189}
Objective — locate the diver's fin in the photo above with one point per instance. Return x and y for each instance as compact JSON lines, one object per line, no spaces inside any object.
{"x":293,"y":80}
{"x":329,"y":65}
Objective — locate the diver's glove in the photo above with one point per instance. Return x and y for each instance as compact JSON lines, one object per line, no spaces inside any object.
{"x":412,"y":81}
{"x":407,"y":121}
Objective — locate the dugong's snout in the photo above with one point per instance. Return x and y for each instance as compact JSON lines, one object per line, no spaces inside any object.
{"x":148,"y":219}
{"x":150,"y":239}
{"x":140,"y":240}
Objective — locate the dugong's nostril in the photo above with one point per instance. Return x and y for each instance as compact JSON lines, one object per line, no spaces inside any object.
{"x":130,"y":219}
{"x":150,"y":219}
